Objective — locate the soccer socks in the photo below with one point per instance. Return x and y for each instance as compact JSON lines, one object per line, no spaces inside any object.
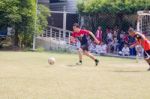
{"x":80,"y":61}
{"x":96,"y":62}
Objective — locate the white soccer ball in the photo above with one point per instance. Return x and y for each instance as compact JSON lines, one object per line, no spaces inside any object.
{"x":51,"y":60}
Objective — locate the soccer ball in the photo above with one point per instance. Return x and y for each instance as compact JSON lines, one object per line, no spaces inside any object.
{"x":51,"y":60}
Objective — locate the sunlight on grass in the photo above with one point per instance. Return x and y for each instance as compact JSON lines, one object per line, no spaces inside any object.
{"x":27,"y":75}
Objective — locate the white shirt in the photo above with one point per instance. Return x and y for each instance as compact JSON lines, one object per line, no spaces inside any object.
{"x":109,"y":36}
{"x":98,"y":48}
{"x":125,"y":51}
{"x":104,"y":49}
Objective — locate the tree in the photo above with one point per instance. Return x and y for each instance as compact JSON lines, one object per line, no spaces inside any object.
{"x":117,"y":8}
{"x":43,"y":13}
{"x":27,"y":27}
{"x":21,"y":15}
{"x":9,"y":12}
{"x":113,"y":6}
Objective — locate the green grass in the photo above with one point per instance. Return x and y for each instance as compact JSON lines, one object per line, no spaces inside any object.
{"x":27,"y":75}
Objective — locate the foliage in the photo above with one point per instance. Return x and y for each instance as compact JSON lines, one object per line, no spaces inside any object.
{"x":111,"y":12}
{"x":21,"y":15}
{"x":43,"y":13}
{"x":9,"y":13}
{"x":113,"y":6}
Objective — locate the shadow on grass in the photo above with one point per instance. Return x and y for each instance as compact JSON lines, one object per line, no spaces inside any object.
{"x":125,"y":71}
{"x":73,"y":65}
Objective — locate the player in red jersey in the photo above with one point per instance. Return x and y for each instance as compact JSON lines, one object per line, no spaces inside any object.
{"x":81,"y":36}
{"x":143,"y":41}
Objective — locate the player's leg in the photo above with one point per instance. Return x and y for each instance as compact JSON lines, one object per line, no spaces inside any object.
{"x":80,"y":56}
{"x":87,"y":53}
{"x":147,"y":58}
{"x":148,"y":61}
{"x":85,"y":49}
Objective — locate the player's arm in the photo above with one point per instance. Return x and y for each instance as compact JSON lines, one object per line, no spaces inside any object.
{"x":72,"y":38}
{"x":133,"y":45}
{"x":93,"y":36}
{"x":141,"y":35}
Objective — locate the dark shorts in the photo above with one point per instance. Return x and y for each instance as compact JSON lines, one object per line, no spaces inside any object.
{"x":85,"y":47}
{"x":147,"y":54}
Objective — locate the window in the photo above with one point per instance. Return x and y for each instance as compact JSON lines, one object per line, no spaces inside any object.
{"x":57,"y":1}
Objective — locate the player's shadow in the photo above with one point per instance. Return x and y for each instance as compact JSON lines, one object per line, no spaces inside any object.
{"x":125,"y":71}
{"x":71,"y":65}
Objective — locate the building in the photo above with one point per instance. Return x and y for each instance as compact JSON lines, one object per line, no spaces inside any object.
{"x":57,"y":8}
{"x":45,"y":2}
{"x":58,"y":5}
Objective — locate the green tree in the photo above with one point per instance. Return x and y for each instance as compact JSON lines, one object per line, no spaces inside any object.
{"x":9,"y":13}
{"x":21,"y":15}
{"x":43,"y":13}
{"x":117,"y":8}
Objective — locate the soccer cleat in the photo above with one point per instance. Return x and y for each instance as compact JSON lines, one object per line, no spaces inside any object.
{"x":148,"y":69}
{"x":96,"y":62}
{"x":79,"y":63}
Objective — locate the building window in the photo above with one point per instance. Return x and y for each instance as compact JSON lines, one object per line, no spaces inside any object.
{"x":57,"y":1}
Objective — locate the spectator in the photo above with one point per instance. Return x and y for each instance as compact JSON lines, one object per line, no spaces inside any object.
{"x":99,"y":33}
{"x":103,"y":48}
{"x":109,"y":36}
{"x":132,"y":50}
{"x":98,"y":49}
{"x":121,"y":42}
{"x":116,"y":45}
{"x":92,"y":47}
{"x":126,"y":38}
{"x":125,"y":50}
{"x":109,"y":40}
{"x":115,"y":34}
{"x":139,"y":51}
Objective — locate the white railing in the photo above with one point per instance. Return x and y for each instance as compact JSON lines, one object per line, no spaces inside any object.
{"x":56,"y":39}
{"x":57,"y":34}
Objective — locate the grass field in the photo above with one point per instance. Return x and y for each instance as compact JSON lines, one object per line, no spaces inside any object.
{"x":27,"y":75}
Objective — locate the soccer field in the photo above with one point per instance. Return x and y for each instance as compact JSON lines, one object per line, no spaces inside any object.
{"x":27,"y":75}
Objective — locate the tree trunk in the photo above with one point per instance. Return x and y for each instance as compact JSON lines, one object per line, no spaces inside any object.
{"x":119,"y":20}
{"x":16,"y":39}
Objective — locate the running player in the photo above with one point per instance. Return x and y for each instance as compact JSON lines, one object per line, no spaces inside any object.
{"x":81,"y":36}
{"x":143,"y":41}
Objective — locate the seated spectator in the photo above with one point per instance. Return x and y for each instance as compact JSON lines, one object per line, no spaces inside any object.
{"x":116,"y":45}
{"x":101,"y":49}
{"x":92,"y":47}
{"x":139,"y":51}
{"x":98,"y":49}
{"x":125,"y":50}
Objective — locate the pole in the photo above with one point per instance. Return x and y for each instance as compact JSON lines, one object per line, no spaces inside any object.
{"x":64,"y":22}
{"x":34,"y":35}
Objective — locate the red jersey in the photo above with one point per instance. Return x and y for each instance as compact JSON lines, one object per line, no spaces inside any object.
{"x":80,"y":33}
{"x":81,"y":36}
{"x":144,"y":42}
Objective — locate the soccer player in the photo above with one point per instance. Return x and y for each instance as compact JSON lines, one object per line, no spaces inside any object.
{"x":143,"y":41}
{"x":81,"y":35}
